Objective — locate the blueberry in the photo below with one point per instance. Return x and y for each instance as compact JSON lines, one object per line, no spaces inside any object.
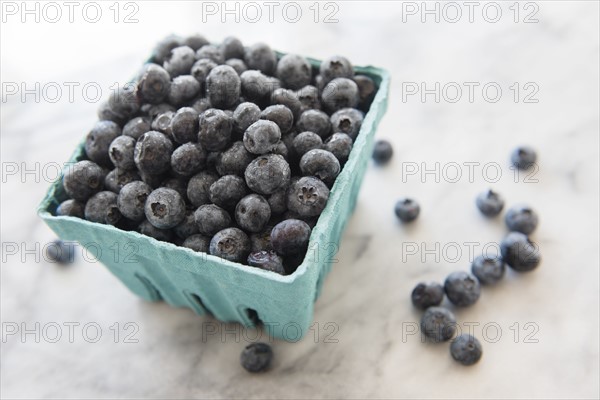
{"x":231,"y":244}
{"x":245,"y":115}
{"x":153,"y":180}
{"x":488,"y":269}
{"x":309,"y":98}
{"x":102,"y":208}
{"x":180,"y":61}
{"x":154,"y":110}
{"x":188,"y":226}
{"x":347,"y":120}
{"x":195,"y":41}
{"x":70,"y":208}
{"x":201,"y":105}
{"x":258,"y":87}
{"x":407,"y":210}
{"x":427,"y":294}
{"x":256,"y":357}
{"x":211,"y":219}
{"x":201,"y":69}
{"x":117,"y":178}
{"x":306,"y":141}
{"x":322,"y":164}
{"x":290,"y":237}
{"x":340,"y":93}
{"x":183,"y":89}
{"x":252,"y":213}
{"x":162,"y":123}
{"x":279,"y":114}
{"x":462,"y":288}
{"x":227,"y":191}
{"x":289,"y":99}
{"x":98,"y":141}
{"x":197,"y":242}
{"x":366,"y":90}
{"x":83,"y":179}
{"x":106,"y":113}
{"x":261,"y":137}
{"x":164,"y":208}
{"x":198,"y":187}
{"x":308,"y":197}
{"x":267,"y":260}
{"x":124,"y":101}
{"x":340,"y":145}
{"x":336,"y":67}
{"x":261,"y":57}
{"x":238,"y":65}
{"x":281,"y":149}
{"x":184,"y":125}
{"x":466,"y":349}
{"x":212,"y":52}
{"x":267,"y":174}
{"x":154,"y":85}
{"x":382,"y":152}
{"x":278,"y":201}
{"x":519,"y":252}
{"x":136,"y":127}
{"x":146,"y":228}
{"x":490,"y":203}
{"x":215,"y":129}
{"x":314,"y":121}
{"x":234,"y":160}
{"x":521,"y":218}
{"x":60,"y":252}
{"x":132,"y":199}
{"x":178,"y":184}
{"x":232,"y":47}
{"x":120,"y":152}
{"x":294,"y":71}
{"x":163,"y":48}
{"x":261,"y":241}
{"x":152,"y":153}
{"x":223,"y":86}
{"x":438,"y":324}
{"x":188,"y":159}
{"x":523,"y":157}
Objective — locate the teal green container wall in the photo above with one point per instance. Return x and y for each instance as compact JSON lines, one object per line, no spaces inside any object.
{"x":157,"y":270}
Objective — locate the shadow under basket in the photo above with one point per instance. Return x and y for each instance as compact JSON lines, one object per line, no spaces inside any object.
{"x":157,"y":271}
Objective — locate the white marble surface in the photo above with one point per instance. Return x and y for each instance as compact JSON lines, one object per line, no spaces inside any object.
{"x":366,"y":295}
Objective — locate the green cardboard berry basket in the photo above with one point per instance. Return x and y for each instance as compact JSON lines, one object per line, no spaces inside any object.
{"x":229,"y":291}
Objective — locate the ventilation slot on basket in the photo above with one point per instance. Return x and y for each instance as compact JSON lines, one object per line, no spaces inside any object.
{"x":152,"y":293}
{"x":253,"y":317}
{"x":198,"y":305}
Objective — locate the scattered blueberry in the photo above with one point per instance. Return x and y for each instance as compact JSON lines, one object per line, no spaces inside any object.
{"x":382,"y":152}
{"x":256,"y":357}
{"x":438,"y":324}
{"x":407,"y":210}
{"x":519,"y":252}
{"x":488,"y":269}
{"x":523,"y":157}
{"x":466,"y":349}
{"x":462,"y":288}
{"x":427,"y":294}
{"x":490,"y":203}
{"x":60,"y":252}
{"x":522,"y":219}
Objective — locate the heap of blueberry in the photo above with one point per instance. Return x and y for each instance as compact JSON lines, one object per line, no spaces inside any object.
{"x":224,"y":149}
